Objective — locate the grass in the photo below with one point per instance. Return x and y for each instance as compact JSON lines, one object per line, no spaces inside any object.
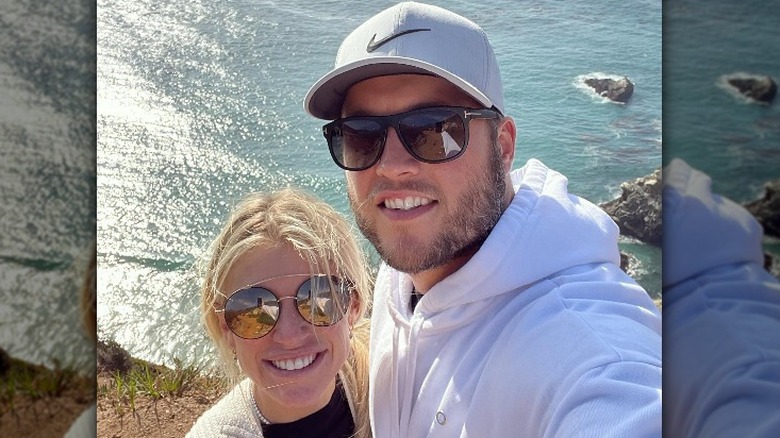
{"x":152,"y":381}
{"x":22,"y":380}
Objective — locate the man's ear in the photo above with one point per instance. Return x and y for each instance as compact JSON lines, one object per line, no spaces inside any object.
{"x":507,"y":135}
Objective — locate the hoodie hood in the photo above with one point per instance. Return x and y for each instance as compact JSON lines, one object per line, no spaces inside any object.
{"x":702,"y":230}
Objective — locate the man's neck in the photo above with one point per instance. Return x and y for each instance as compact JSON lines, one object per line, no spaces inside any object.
{"x":424,"y":281}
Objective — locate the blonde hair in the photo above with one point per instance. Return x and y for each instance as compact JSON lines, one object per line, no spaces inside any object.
{"x":321,"y":236}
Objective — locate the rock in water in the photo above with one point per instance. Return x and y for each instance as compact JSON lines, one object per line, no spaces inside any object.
{"x":619,"y":90}
{"x":767,"y":209}
{"x":772,"y":264}
{"x":628,"y":263}
{"x":638,"y":209}
{"x":758,"y":88}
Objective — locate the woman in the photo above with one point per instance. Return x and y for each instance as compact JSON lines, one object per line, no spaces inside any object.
{"x":284,"y":299}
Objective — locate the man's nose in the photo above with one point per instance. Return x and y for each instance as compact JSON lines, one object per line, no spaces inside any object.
{"x":396,"y":161}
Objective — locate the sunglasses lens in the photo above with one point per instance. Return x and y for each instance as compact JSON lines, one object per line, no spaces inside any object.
{"x":323,"y":301}
{"x":434,"y":135}
{"x":252,"y":312}
{"x":356,"y":144}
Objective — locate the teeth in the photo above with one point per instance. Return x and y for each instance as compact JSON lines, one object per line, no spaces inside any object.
{"x":294,"y":364}
{"x":407,"y":203}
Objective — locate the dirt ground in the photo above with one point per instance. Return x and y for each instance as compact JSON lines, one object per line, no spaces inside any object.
{"x":164,"y":417}
{"x":44,"y":417}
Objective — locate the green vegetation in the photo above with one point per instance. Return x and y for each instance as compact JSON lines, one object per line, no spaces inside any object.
{"x":143,"y":379}
{"x":20,"y":379}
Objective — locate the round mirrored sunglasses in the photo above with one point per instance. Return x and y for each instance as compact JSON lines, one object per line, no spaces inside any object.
{"x":252,"y":312}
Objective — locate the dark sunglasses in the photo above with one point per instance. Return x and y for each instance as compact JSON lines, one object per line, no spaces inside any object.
{"x":432,"y":135}
{"x":252,"y":312}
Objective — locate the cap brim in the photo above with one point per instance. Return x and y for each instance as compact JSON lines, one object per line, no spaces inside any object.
{"x":325,"y":98}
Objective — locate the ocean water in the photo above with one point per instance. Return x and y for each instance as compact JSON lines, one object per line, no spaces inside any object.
{"x":47,"y":178}
{"x":734,"y":140}
{"x":709,"y":125}
{"x":200,"y":102}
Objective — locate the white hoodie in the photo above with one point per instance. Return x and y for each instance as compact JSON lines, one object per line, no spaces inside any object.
{"x":540,"y":334}
{"x":721,"y":313}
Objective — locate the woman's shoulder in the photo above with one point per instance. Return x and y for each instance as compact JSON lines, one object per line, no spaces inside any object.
{"x":229,"y":417}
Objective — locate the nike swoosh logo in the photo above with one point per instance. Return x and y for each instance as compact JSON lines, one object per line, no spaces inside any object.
{"x":373,"y":45}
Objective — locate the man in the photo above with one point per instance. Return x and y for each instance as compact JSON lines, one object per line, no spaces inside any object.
{"x":500,"y":309}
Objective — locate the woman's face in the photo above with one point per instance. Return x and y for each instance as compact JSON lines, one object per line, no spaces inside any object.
{"x":294,"y":366}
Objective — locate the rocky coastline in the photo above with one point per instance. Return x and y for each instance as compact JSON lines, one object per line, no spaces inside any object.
{"x":767,"y":209}
{"x":637,"y":211}
{"x":638,"y":214}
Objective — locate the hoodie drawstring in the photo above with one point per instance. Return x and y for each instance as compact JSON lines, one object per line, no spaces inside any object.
{"x":407,"y":398}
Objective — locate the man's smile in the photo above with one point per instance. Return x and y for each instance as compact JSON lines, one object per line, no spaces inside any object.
{"x":406,"y":203}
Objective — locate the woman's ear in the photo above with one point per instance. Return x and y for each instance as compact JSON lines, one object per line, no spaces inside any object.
{"x":227,"y":335}
{"x":354,"y":309}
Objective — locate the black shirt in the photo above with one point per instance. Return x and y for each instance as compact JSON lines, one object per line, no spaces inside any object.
{"x":415,"y":298}
{"x":332,"y":421}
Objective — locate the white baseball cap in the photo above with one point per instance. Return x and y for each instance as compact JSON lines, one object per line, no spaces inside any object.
{"x":417,"y":38}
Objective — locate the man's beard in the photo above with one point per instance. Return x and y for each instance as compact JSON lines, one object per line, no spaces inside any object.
{"x":462,"y":231}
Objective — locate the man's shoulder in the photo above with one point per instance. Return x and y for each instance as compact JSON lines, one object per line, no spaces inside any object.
{"x":564,"y":346}
{"x":580,"y":324}
{"x":581,"y":358}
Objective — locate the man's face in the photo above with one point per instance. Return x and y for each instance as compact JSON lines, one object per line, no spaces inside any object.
{"x":422,"y":216}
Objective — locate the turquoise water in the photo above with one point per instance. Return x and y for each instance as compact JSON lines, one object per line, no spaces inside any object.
{"x":201,"y":102}
{"x":733,"y":140}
